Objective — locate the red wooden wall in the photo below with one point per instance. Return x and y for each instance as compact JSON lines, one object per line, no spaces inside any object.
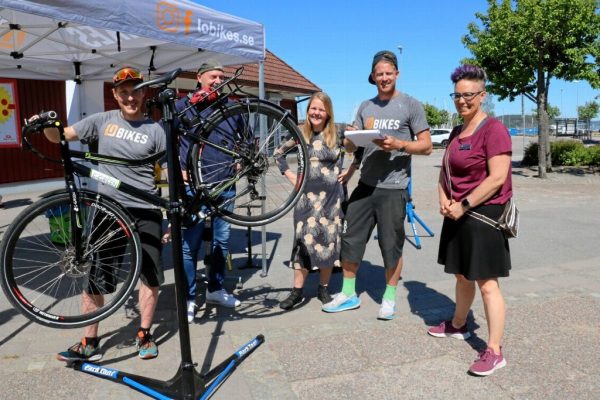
{"x":18,"y":165}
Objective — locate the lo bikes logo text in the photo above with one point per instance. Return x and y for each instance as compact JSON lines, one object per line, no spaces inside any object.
{"x":169,"y":17}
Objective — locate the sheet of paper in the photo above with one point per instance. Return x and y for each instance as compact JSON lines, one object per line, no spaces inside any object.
{"x":363,"y":137}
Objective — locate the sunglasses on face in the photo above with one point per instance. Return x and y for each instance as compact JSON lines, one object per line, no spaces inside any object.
{"x":127,"y":73}
{"x":468,"y":96}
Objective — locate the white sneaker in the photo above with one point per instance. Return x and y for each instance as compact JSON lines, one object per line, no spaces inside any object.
{"x":341,"y":302}
{"x":387,"y":310}
{"x":191,"y":311}
{"x":222,"y":298}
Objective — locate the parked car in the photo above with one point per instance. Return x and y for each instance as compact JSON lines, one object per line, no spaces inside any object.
{"x":439,"y":137}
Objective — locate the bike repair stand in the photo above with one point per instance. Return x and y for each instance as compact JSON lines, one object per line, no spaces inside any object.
{"x":207,"y":238}
{"x":187,"y":382}
{"x":411,"y":215}
{"x":249,"y":263}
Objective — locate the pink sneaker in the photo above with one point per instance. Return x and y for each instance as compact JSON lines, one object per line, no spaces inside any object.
{"x":488,"y":362}
{"x":445,"y":329}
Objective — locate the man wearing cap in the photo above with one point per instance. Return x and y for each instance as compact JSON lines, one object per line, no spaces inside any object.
{"x":124,"y":133}
{"x":210,"y":75}
{"x":381,"y":195}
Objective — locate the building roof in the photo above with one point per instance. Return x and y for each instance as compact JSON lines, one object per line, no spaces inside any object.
{"x":279,"y":77}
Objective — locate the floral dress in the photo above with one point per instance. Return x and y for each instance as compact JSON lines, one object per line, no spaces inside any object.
{"x":318,"y":213}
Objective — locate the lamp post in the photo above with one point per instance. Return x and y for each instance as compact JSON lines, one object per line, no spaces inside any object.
{"x":561,"y":103}
{"x":577,"y":99}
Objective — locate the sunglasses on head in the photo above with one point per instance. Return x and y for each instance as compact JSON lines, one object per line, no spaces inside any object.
{"x":127,"y":73}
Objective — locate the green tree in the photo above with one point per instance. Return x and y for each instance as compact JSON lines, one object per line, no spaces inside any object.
{"x":552,"y":111}
{"x":588,"y":111}
{"x":435,"y":116}
{"x":523,"y":44}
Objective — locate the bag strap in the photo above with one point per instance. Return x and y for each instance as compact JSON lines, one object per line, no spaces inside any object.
{"x":473,"y":214}
{"x":447,"y":165}
{"x":484,"y":219}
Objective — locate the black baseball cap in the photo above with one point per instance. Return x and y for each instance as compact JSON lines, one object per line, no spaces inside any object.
{"x":383,"y":55}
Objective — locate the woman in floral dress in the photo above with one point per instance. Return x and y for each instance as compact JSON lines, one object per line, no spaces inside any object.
{"x":318,"y":213}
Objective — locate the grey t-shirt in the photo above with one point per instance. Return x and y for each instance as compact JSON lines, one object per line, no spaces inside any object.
{"x":402,"y":117}
{"x":119,"y":137}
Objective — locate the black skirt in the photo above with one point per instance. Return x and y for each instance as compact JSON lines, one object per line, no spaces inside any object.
{"x":473,"y":248}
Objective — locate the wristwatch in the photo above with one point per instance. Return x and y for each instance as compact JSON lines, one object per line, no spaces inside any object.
{"x":465,"y":203}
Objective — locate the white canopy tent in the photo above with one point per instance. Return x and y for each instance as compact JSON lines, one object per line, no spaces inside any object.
{"x":79,"y":39}
{"x":85,"y":41}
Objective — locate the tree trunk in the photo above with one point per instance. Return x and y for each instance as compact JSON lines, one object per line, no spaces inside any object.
{"x":544,"y":159}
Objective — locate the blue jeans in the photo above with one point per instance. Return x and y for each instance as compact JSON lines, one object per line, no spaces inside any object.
{"x":192,"y":240}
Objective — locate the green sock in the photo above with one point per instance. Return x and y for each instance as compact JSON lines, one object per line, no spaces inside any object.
{"x":390,"y":293}
{"x":349,"y":286}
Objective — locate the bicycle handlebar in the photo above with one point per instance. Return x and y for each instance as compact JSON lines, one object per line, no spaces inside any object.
{"x":45,"y":119}
{"x":48,"y":115}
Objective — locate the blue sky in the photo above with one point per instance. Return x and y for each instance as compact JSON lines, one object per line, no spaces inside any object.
{"x":332,"y":44}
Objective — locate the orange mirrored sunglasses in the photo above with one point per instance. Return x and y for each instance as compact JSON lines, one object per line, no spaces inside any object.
{"x":127,"y":73}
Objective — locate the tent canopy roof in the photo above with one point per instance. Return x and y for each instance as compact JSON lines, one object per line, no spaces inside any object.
{"x":82,"y":39}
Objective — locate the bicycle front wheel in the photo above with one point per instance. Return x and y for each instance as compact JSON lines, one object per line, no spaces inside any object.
{"x":44,"y":279}
{"x":251,"y":130}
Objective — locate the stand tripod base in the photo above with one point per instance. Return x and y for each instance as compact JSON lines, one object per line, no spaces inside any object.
{"x":178,"y":387}
{"x":411,"y":215}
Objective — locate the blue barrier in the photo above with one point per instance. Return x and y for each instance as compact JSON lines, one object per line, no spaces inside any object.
{"x":528,"y":131}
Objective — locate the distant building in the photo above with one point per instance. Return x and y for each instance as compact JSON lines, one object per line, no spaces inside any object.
{"x":559,"y":126}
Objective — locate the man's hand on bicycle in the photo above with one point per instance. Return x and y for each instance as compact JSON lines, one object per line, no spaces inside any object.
{"x":48,"y":123}
{"x":38,"y":122}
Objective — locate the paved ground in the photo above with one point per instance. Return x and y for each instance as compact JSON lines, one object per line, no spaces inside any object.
{"x":551,"y":341}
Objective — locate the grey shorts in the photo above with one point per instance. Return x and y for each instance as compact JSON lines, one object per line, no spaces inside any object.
{"x":369,"y":206}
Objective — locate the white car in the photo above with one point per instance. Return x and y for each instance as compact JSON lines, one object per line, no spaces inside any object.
{"x":439,"y":137}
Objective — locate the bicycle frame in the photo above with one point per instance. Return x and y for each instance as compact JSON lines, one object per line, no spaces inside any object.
{"x":73,"y":168}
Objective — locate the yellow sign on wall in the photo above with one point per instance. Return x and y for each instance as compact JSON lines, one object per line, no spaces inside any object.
{"x":10,"y":122}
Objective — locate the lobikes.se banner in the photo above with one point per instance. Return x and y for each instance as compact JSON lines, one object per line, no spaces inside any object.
{"x":82,"y":39}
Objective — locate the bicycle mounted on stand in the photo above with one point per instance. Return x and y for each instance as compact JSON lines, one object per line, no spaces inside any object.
{"x":44,"y":279}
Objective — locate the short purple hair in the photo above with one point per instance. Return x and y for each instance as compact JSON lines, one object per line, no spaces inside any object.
{"x":468,"y":72}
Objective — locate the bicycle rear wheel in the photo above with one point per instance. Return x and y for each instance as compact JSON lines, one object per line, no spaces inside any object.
{"x":41,"y":276}
{"x":262,"y":193}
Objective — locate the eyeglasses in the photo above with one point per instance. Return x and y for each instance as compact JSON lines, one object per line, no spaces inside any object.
{"x":127,"y":73}
{"x":468,"y":96}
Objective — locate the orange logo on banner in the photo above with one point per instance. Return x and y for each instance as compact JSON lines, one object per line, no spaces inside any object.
{"x":12,"y":40}
{"x":6,"y":105}
{"x":168,"y":17}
